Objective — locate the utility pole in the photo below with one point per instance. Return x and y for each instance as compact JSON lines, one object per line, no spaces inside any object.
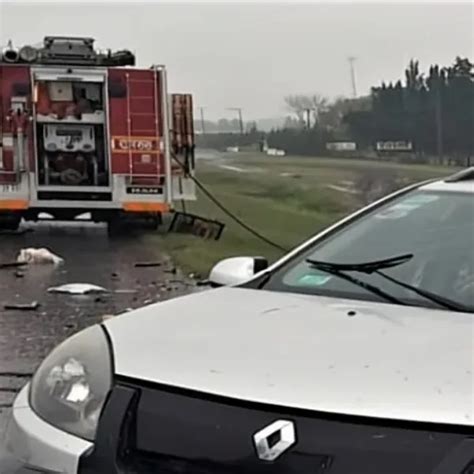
{"x":352,"y":60}
{"x":439,"y":123}
{"x":241,"y":120}
{"x":203,"y":127}
{"x":308,"y":118}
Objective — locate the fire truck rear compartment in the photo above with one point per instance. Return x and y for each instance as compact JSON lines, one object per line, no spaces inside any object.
{"x":71,"y":155}
{"x":70,"y":139}
{"x":79,"y":132}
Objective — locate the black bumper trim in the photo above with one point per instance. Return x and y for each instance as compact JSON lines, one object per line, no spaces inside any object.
{"x":104,"y":458}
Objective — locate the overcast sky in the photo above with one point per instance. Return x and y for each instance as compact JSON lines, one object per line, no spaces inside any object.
{"x":252,"y":55}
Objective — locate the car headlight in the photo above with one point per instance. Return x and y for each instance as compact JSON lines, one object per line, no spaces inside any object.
{"x":70,"y":386}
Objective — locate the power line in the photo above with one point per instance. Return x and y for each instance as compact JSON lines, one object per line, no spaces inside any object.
{"x":203,"y":127}
{"x":439,"y":122}
{"x":308,"y":118}
{"x":241,"y":121}
{"x":226,"y":211}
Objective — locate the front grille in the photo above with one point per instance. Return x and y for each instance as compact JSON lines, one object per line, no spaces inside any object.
{"x":171,"y":431}
{"x":469,"y":468}
{"x":140,"y":464}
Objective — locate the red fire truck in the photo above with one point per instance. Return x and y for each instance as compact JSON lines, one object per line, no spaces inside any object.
{"x":85,"y":131}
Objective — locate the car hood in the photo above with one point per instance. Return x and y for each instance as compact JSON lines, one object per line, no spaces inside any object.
{"x":308,"y":352}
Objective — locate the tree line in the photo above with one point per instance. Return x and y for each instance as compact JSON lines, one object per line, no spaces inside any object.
{"x":434,"y":112}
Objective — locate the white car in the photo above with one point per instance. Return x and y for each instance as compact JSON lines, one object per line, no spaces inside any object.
{"x":354,"y":354}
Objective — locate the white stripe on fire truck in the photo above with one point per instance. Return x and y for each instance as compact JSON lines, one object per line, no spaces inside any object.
{"x":7,"y":140}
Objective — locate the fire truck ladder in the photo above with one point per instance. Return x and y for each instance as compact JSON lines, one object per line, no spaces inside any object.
{"x":17,"y":119}
{"x":9,"y":176}
{"x":132,"y":113}
{"x":1,"y":124}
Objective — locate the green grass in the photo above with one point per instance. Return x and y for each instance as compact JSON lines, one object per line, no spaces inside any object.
{"x":286,"y":209}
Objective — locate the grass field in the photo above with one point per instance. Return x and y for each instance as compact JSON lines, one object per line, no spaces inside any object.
{"x":286,"y":199}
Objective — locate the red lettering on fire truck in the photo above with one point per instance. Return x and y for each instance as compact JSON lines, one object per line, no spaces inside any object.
{"x":135,"y":144}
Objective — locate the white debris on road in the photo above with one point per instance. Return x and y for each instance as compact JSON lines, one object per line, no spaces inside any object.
{"x":77,"y":289}
{"x":38,"y":256}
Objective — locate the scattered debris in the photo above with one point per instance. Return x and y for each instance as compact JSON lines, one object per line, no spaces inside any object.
{"x":16,"y":374}
{"x":177,"y":282}
{"x":77,"y":289}
{"x":16,"y":232}
{"x":190,"y":223}
{"x":22,"y":307}
{"x":12,"y":264}
{"x":148,"y":264}
{"x":38,"y":256}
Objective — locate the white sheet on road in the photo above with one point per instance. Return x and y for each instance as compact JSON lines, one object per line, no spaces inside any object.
{"x":77,"y":289}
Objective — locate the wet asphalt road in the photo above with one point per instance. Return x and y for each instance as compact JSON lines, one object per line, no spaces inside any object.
{"x":91,"y":256}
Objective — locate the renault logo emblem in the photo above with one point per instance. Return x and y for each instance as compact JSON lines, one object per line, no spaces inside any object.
{"x":274,"y":440}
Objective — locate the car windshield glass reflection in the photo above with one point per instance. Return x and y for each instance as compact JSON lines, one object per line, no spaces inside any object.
{"x":437,"y":229}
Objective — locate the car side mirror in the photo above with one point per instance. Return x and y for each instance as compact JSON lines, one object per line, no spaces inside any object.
{"x":233,"y":271}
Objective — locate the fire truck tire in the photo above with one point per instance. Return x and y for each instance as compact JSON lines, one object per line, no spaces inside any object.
{"x":10,"y":222}
{"x":154,"y":222}
{"x":116,"y":226}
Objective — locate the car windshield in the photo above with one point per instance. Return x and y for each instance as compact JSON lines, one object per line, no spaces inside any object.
{"x":437,"y":228}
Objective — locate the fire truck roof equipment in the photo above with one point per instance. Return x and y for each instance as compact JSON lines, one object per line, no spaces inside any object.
{"x":67,"y":50}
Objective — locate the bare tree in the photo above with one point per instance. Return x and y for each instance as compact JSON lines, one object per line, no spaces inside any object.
{"x":298,"y":104}
{"x":327,"y":114}
{"x":319,"y":104}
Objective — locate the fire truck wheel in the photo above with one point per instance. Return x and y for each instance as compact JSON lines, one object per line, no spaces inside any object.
{"x":116,"y":226}
{"x":10,"y":222}
{"x":154,"y":222}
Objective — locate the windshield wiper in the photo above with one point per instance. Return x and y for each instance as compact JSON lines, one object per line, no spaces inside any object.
{"x":440,"y":300}
{"x":338,"y":269}
{"x":376,"y":267}
{"x":366,"y":267}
